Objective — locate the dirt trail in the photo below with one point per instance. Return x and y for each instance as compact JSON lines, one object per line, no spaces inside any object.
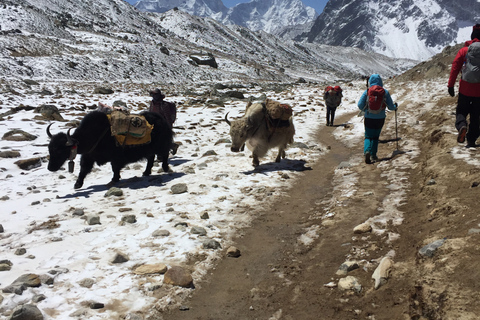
{"x":277,"y":276}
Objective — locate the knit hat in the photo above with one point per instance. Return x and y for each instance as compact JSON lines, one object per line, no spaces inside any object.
{"x":476,"y":32}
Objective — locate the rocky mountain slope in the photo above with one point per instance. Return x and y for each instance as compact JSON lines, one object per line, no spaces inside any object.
{"x":109,"y":40}
{"x":400,"y":28}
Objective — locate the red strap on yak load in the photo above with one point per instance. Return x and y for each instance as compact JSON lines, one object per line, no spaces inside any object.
{"x":376,"y":99}
{"x":327,"y":89}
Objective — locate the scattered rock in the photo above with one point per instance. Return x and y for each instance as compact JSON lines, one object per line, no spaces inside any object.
{"x":93,"y":220}
{"x":233,"y":252}
{"x":114,"y":192}
{"x":198,"y":230}
{"x":49,"y":112}
{"x":363,"y":228}
{"x":211,"y":244}
{"x":120,"y":258}
{"x":9,"y":154}
{"x":86,"y":283}
{"x":349,"y":283}
{"x":179,"y":188}
{"x":20,"y":251}
{"x":346,"y":267}
{"x":101,"y":90}
{"x":26,"y":312}
{"x":380,"y":275}
{"x":22,"y":283}
{"x":18,"y":135}
{"x":38,"y":297}
{"x":129,"y":218}
{"x":97,"y":305}
{"x":430,"y":249}
{"x":5,"y":265}
{"x":160,"y":233}
{"x":151,"y":269}
{"x":29,"y":164}
{"x":178,"y":276}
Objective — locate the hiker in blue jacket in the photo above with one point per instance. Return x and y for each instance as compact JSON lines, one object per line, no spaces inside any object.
{"x":374,"y":119}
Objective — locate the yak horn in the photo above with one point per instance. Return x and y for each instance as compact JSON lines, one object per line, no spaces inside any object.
{"x":70,"y":141}
{"x":226,"y":119}
{"x":48,"y":131}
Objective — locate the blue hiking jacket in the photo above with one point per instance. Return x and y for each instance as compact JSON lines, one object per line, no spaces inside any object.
{"x":375,"y":79}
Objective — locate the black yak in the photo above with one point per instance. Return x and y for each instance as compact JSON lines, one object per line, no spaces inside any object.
{"x":94,"y":141}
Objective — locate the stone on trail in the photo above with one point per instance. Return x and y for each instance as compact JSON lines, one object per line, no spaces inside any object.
{"x":346,"y":267}
{"x":178,"y":276}
{"x":363,"y":228}
{"x":430,"y":249}
{"x":233,"y":252}
{"x":380,"y":275}
{"x":349,"y":283}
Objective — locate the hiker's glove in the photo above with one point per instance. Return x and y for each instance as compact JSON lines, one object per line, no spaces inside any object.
{"x":451,"y":91}
{"x":396,"y":105}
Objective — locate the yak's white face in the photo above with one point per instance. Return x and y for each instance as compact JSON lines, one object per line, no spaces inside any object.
{"x":238,"y":133}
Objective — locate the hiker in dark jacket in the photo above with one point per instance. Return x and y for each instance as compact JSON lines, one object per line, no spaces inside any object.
{"x":374,"y":121}
{"x":468,"y":95}
{"x":333,"y":98}
{"x":167,"y":109}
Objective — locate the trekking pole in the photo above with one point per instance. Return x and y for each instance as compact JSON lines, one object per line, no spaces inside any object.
{"x":396,"y":126}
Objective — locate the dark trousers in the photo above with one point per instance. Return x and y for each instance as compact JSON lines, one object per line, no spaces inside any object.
{"x":468,"y":106}
{"x":330,"y":115}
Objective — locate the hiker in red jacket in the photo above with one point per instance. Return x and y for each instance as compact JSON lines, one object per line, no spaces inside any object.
{"x":469,"y":89}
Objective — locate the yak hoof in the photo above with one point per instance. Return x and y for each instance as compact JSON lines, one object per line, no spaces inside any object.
{"x":146,"y":174}
{"x":111,"y":183}
{"x":78,"y":185}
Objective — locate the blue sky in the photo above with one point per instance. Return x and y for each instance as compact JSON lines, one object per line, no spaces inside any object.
{"x":316,"y":4}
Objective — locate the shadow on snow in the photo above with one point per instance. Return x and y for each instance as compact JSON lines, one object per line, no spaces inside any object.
{"x":284,"y":165}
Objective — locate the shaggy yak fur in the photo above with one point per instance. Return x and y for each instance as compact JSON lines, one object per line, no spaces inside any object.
{"x":93,"y":140}
{"x":260,"y":133}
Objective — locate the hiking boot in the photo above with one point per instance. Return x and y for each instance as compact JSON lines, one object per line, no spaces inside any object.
{"x":471,"y":144}
{"x":374,"y":158}
{"x":367,"y":158}
{"x":461,"y":134}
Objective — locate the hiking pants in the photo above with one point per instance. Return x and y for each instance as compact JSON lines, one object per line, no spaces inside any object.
{"x":468,"y":106}
{"x":373,"y":127}
{"x":330,"y":115}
